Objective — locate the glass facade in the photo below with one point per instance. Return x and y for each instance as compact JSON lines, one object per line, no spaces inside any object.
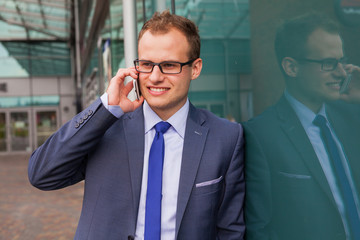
{"x":34,"y":37}
{"x":35,"y":65}
{"x":24,"y":59}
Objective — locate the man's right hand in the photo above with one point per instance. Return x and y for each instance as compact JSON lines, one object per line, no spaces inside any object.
{"x":117,"y":91}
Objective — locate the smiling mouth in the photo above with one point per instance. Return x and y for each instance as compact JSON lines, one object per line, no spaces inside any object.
{"x":158,"y":89}
{"x":334,"y":84}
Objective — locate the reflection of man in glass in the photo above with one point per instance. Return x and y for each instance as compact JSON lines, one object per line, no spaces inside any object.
{"x":302,"y":166}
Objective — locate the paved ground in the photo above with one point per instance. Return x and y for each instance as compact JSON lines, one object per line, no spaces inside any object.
{"x":27,"y":213}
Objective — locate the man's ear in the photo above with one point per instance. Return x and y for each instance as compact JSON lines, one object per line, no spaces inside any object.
{"x":290,"y":66}
{"x":196,"y":68}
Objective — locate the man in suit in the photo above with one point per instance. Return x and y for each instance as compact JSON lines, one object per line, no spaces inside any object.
{"x":109,"y":145}
{"x":293,"y":188}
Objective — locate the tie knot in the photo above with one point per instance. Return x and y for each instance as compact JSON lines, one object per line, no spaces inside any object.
{"x":162,"y":127}
{"x":320,"y":120}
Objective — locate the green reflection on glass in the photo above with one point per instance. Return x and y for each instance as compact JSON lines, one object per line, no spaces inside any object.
{"x":10,"y":102}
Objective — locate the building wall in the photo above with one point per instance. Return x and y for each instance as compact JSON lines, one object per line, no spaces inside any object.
{"x":44,"y":86}
{"x":31,"y":109}
{"x":67,"y":99}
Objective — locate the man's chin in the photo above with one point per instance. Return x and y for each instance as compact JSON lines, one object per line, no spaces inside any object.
{"x":333,"y":97}
{"x":155,"y":103}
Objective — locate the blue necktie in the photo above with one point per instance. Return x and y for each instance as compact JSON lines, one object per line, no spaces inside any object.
{"x":154,"y":185}
{"x":343,"y":182}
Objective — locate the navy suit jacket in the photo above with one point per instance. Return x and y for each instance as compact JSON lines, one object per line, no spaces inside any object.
{"x":108,"y":154}
{"x":287,"y":194}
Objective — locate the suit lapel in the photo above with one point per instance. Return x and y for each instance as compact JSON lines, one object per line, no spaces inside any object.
{"x":294,"y":130}
{"x":194,"y":143}
{"x":134,"y":134}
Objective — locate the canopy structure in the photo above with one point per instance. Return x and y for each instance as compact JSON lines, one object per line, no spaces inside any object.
{"x":41,"y":35}
{"x":36,"y":34}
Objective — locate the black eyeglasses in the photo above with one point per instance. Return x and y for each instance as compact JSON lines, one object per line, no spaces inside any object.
{"x":327,"y":64}
{"x":167,"y":67}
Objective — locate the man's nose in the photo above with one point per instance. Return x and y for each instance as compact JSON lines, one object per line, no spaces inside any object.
{"x":156,"y":74}
{"x":340,"y":70}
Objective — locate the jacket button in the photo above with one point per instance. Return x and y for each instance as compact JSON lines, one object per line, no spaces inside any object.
{"x":77,"y":125}
{"x":81,"y":121}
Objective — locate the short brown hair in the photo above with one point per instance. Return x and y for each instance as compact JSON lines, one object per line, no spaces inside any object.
{"x":163,"y":22}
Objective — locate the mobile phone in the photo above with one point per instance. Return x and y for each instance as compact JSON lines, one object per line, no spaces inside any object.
{"x":345,"y":84}
{"x":136,"y":87}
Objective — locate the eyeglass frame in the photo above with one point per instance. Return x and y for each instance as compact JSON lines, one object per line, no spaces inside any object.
{"x":336,"y":62}
{"x":159,"y":65}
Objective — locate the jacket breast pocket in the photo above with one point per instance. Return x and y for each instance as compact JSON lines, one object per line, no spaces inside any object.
{"x":203,"y":207}
{"x":294,"y":186}
{"x":208,"y":187}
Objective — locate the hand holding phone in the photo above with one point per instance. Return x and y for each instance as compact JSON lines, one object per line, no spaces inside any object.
{"x":118,"y":91}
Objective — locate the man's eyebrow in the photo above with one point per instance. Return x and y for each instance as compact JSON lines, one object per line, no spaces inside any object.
{"x":159,"y":62}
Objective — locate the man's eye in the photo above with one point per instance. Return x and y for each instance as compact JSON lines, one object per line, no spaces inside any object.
{"x":168,"y":65}
{"x":330,"y":62}
{"x":145,"y":64}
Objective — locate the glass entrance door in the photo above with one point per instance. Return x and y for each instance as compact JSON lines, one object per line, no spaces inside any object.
{"x":23,"y":130}
{"x":3,"y":134}
{"x":46,"y":124}
{"x":19,"y":131}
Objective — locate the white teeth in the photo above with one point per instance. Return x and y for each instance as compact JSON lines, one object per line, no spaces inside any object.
{"x":158,"y":89}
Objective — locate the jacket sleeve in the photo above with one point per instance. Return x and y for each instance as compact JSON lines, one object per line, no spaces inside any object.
{"x":61,"y":160}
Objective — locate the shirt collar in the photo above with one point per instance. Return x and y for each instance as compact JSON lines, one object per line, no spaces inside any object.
{"x":177,"y":121}
{"x":305,"y":115}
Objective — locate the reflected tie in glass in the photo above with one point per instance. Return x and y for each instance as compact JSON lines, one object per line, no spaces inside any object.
{"x":154,"y":185}
{"x":342,"y":180}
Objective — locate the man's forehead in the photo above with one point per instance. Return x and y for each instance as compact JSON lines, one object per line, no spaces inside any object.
{"x":165,"y":46}
{"x":324,"y":44}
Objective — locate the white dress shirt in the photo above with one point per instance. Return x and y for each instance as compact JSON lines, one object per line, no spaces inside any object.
{"x":306,"y":117}
{"x":174,"y":142}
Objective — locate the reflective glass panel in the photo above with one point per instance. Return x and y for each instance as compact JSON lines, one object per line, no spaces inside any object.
{"x":46,"y":124}
{"x":2,"y":132}
{"x":19,"y":129}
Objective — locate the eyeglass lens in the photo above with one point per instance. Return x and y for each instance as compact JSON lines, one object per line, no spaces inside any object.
{"x":331,"y":64}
